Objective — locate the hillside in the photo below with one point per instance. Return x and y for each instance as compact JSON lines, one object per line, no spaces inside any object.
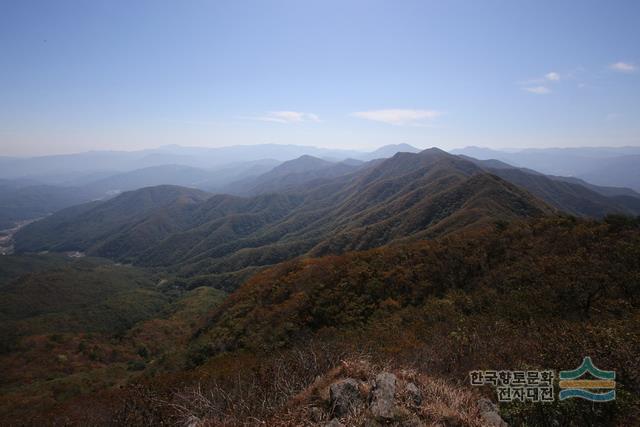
{"x":25,"y":202}
{"x":145,"y":216}
{"x":71,"y":327}
{"x":407,"y":196}
{"x":67,"y":295}
{"x":535,"y":294}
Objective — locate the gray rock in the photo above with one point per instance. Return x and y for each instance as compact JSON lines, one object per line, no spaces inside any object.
{"x":344,"y":395}
{"x":489,"y":413}
{"x":382,"y":396}
{"x":414,"y":393}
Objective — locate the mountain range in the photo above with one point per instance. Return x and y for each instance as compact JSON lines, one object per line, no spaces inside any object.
{"x":58,"y":169}
{"x":311,"y":206}
{"x":35,"y":187}
{"x":251,"y":290}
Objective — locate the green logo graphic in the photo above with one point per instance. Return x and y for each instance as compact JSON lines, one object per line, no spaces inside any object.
{"x":600,"y":389}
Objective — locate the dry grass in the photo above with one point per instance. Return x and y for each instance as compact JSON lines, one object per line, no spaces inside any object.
{"x":290,"y":401}
{"x":443,"y":403}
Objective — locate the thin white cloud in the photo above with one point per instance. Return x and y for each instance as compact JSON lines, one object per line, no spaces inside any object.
{"x":552,"y":76}
{"x":623,"y":67}
{"x":399,"y":117}
{"x":538,"y":90}
{"x":287,"y":117}
{"x":540,"y":85}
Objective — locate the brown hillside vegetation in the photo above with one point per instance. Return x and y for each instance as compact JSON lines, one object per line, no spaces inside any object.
{"x":530,"y":295}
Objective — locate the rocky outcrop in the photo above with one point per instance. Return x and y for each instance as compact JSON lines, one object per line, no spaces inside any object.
{"x":383,"y":396}
{"x":355,"y":393}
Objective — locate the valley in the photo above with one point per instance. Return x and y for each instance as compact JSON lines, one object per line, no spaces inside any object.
{"x":6,"y":236}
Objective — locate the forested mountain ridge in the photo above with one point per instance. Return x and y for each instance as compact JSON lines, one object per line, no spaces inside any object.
{"x":472,"y":261}
{"x":333,"y":207}
{"x":407,"y":196}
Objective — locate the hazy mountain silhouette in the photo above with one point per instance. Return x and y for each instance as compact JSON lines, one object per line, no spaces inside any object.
{"x":616,"y":166}
{"x":570,"y":195}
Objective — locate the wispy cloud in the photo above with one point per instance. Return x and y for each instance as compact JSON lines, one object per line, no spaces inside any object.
{"x":540,"y":85}
{"x":538,"y":90}
{"x":399,"y":117}
{"x":623,"y":67}
{"x":287,"y":117}
{"x":552,"y":76}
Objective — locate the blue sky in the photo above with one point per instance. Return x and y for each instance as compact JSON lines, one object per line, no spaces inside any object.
{"x":86,"y":75}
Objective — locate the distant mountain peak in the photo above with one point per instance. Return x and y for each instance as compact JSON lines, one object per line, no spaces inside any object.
{"x":392,"y":149}
{"x":403,"y":146}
